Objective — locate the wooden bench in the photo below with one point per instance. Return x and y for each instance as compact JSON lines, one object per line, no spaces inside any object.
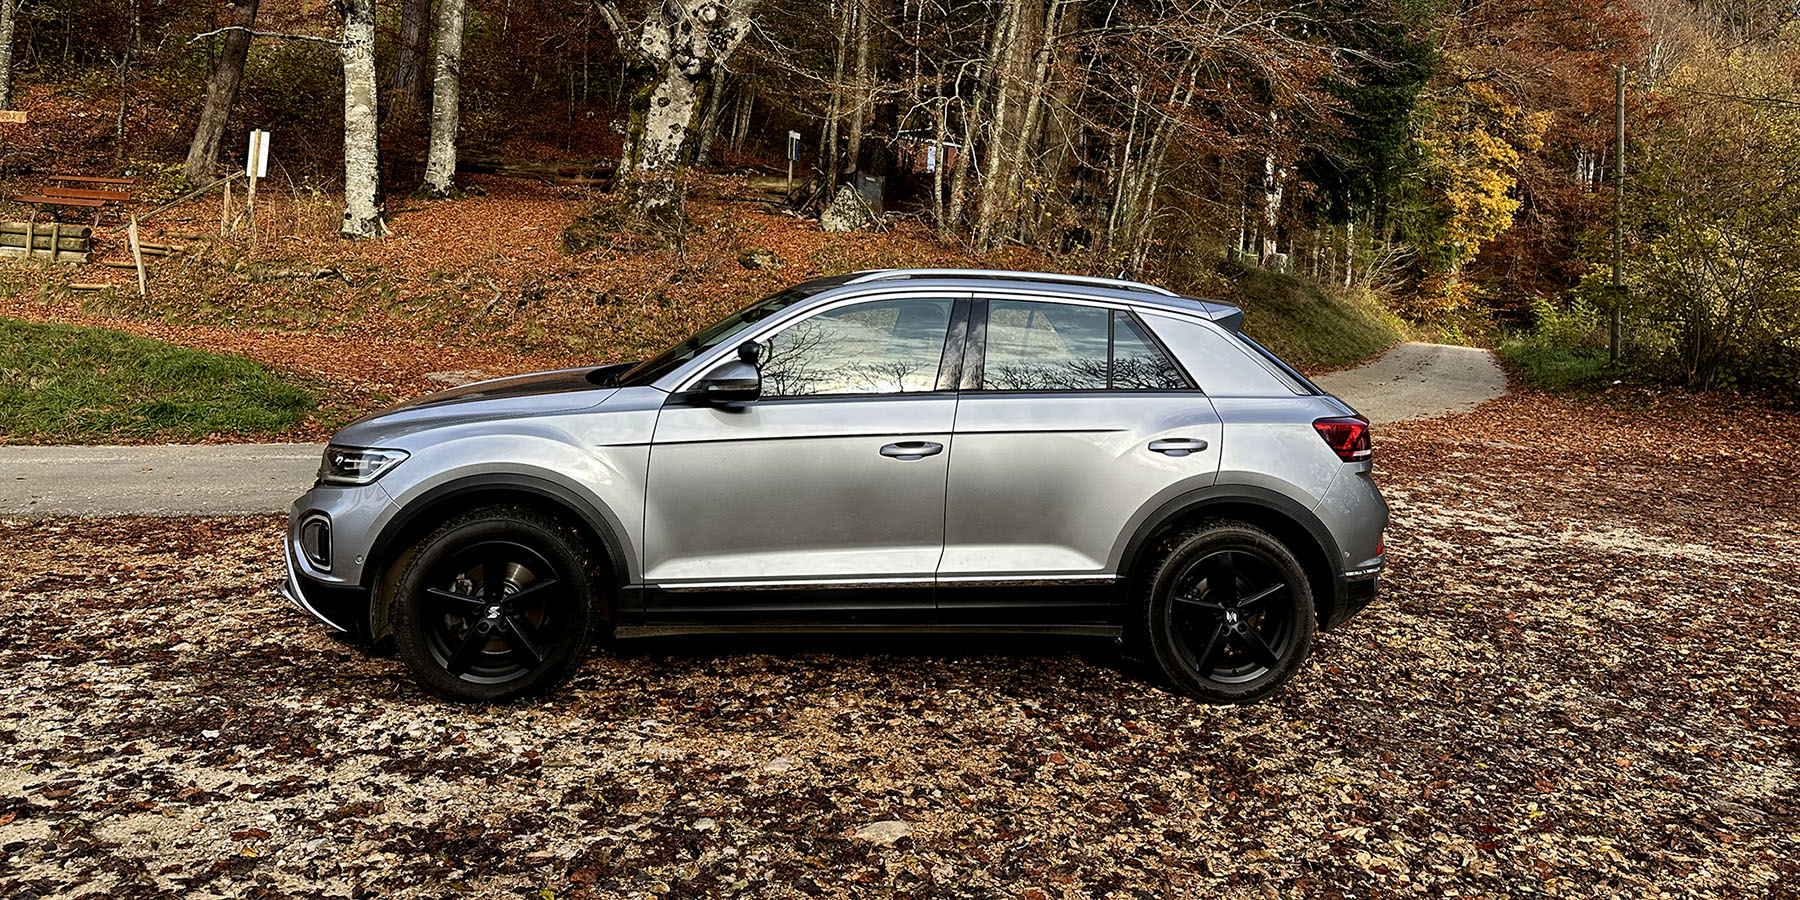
{"x":76,"y":198}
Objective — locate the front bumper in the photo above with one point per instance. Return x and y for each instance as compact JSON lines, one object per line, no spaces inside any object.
{"x":339,"y":608}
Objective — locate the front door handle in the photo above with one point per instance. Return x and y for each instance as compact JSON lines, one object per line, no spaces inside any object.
{"x":909,"y":450}
{"x":1178,"y":446}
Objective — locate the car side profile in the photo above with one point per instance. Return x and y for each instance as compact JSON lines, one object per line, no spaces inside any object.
{"x":896,"y":450}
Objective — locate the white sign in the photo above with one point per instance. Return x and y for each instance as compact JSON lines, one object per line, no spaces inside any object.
{"x":793,"y":145}
{"x":256,"y":163}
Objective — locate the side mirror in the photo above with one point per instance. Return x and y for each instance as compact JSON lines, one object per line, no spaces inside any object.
{"x":732,"y":381}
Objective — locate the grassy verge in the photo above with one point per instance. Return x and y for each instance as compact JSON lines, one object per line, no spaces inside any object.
{"x":63,"y":383}
{"x":1551,"y":367}
{"x":1310,"y":327}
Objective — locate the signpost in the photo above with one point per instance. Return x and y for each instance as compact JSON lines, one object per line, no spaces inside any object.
{"x":256,"y":166}
{"x":793,"y":154}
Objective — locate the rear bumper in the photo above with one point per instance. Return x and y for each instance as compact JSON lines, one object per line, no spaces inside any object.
{"x":1360,"y":589}
{"x":338,"y":608}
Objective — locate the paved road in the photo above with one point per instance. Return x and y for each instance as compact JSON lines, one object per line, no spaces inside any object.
{"x":1411,"y":381}
{"x":215,"y":479}
{"x":1419,"y":381}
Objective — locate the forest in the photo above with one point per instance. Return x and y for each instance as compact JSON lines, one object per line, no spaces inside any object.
{"x":1457,"y":162}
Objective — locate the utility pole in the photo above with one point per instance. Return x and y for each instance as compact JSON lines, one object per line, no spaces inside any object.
{"x":1618,"y":280}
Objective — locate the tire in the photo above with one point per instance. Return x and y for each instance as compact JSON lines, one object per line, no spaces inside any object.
{"x":471,"y":640}
{"x":1227,"y":613}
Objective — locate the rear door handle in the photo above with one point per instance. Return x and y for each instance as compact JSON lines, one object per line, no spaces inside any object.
{"x":910,"y":450}
{"x":1178,"y":446}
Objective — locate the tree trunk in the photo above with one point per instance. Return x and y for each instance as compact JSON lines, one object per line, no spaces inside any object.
{"x":8,"y":13}
{"x":407,"y":84}
{"x":446,"y":100}
{"x":709,"y":123}
{"x":834,"y":106}
{"x":676,"y":56}
{"x":972,"y":117}
{"x":860,"y":109}
{"x":998,"y":153}
{"x":362,"y":153}
{"x":221,"y":92}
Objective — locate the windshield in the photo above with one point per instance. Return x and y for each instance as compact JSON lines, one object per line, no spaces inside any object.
{"x":714,"y":335}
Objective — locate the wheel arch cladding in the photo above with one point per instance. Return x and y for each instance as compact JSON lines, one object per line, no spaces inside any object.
{"x":440,"y":503}
{"x":1287,"y":521}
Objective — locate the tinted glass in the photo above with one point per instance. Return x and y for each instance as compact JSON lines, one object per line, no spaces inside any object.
{"x":1034,"y":346}
{"x":1138,"y":364}
{"x":883,"y":347}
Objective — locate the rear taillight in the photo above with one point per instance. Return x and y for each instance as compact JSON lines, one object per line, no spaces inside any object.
{"x":1348,"y":437}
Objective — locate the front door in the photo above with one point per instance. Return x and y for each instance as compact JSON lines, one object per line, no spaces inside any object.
{"x":1072,"y":419}
{"x":827,"y":493}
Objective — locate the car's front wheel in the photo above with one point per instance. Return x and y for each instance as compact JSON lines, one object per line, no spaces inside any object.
{"x":1227,"y":613}
{"x":495,"y":604}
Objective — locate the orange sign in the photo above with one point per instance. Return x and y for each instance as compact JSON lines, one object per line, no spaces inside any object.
{"x":14,"y":116}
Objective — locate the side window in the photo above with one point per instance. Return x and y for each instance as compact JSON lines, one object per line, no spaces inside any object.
{"x":1036,"y":346}
{"x":880,"y":347}
{"x":1138,"y":364}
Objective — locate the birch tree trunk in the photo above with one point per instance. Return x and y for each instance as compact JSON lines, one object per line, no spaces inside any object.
{"x":9,"y":10}
{"x":407,"y":84}
{"x":221,"y":92}
{"x":362,"y":153}
{"x":446,"y":100}
{"x":676,"y":53}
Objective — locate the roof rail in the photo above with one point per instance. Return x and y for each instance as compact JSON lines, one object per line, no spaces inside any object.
{"x":1051,"y":277}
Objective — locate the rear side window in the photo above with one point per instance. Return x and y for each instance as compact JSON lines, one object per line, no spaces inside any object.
{"x":1224,"y":366}
{"x":1037,"y":346}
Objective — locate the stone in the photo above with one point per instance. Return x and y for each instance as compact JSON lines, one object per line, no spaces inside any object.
{"x":779,"y":765}
{"x":885,"y":833}
{"x":758,"y":258}
{"x":848,"y":211}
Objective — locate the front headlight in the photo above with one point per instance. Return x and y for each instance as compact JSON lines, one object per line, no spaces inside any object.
{"x":357,"y":465}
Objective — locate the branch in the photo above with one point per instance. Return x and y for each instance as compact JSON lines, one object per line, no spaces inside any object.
{"x":265,"y":34}
{"x":616,"y":25}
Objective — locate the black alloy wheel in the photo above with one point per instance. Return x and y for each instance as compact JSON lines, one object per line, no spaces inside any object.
{"x":495,"y":604}
{"x":1229,"y":615}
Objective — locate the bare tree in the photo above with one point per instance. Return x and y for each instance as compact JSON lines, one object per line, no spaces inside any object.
{"x":362,"y":153}
{"x":407,"y":83}
{"x":9,"y":10}
{"x":446,"y":100}
{"x":221,"y":91}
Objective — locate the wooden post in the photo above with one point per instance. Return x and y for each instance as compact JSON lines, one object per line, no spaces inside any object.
{"x":250,"y":200}
{"x":137,"y":257}
{"x":55,"y":238}
{"x":31,"y":233}
{"x":225,"y":210}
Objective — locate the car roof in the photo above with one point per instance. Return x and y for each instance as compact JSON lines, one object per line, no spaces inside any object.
{"x":1116,"y":289}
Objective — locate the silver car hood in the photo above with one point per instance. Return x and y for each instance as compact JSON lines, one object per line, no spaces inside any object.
{"x":539,"y":393}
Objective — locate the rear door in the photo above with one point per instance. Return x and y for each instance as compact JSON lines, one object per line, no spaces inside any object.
{"x":1072,"y":417}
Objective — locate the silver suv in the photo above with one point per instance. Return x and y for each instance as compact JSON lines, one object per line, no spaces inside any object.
{"x":897,"y":450}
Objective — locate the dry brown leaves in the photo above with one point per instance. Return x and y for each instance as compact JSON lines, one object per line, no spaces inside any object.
{"x":1578,"y":683}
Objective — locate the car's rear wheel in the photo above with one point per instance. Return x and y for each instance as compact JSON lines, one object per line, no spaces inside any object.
{"x":1227,"y":614}
{"x":495,"y":604}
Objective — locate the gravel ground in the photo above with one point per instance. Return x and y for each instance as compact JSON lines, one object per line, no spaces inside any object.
{"x":1579,"y":683}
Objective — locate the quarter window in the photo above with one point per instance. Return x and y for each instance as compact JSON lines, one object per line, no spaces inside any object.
{"x":1035,"y":346}
{"x":881,"y":347}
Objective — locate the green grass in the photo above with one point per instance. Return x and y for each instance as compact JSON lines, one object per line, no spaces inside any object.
{"x":1311,"y":327}
{"x":1554,"y":368}
{"x":63,"y":383}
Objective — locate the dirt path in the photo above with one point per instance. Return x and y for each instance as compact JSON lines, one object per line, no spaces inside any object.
{"x":1419,"y":381}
